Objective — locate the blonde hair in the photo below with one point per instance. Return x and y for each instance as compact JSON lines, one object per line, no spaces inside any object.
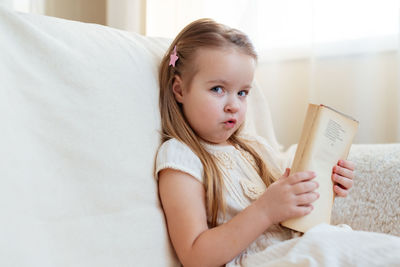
{"x":203,"y":33}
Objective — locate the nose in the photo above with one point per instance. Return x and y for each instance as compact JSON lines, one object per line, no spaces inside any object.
{"x":232,"y":105}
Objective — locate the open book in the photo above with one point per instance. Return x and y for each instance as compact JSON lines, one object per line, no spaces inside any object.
{"x":326,"y":137}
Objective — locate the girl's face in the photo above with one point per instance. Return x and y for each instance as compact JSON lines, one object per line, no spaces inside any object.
{"x":214,"y":103}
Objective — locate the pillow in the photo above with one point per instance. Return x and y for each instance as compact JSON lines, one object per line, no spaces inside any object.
{"x":79,"y":114}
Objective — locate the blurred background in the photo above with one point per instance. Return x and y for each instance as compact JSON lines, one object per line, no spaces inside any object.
{"x":342,"y":53}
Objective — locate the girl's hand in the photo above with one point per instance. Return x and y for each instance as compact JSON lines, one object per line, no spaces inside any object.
{"x":342,"y":176}
{"x":290,"y":196}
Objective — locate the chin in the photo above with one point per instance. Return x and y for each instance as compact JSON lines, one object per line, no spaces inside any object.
{"x":220,"y":142}
{"x":215,"y":141}
{"x":223,"y":141}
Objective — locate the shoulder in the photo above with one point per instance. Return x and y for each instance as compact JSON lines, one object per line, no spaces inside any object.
{"x":176,"y":155}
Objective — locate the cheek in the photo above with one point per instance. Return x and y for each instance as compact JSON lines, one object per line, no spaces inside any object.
{"x":208,"y":110}
{"x":243,"y":110}
{"x":196,"y":110}
{"x":206,"y":105}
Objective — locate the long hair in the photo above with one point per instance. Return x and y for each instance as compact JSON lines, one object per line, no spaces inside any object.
{"x":203,"y":33}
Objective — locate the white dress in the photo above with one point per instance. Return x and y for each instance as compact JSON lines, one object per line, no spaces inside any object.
{"x":277,"y":246}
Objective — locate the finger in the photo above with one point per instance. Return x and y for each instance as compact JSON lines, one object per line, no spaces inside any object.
{"x":343,"y":181}
{"x":307,"y":198}
{"x":305,"y":187}
{"x":287,"y":172}
{"x":340,"y":192}
{"x":301,"y":176}
{"x":347,"y":164}
{"x":303,"y":210}
{"x":343,"y":172}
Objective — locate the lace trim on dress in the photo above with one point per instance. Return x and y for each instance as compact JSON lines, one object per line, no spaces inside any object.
{"x":225,"y":159}
{"x":251,"y":189}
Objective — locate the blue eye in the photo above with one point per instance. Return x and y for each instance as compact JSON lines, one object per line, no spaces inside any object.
{"x":217,"y":89}
{"x":243,"y":93}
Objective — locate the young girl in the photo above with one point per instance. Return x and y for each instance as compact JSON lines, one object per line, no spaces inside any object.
{"x":224,"y":193}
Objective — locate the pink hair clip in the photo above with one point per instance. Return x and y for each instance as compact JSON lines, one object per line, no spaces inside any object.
{"x":173,"y":58}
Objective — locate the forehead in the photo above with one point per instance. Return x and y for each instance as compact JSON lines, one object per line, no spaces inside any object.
{"x":229,"y":64}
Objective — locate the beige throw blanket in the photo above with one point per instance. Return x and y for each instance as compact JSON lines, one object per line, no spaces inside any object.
{"x":326,"y":245}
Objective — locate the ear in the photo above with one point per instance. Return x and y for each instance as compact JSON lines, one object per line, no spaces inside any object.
{"x":177,"y":88}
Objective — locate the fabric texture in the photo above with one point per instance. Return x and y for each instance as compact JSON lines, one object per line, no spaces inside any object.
{"x":373,"y":203}
{"x":329,"y":246}
{"x":78,"y":107}
{"x":176,"y":155}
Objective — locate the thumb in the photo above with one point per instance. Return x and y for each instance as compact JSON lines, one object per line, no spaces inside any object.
{"x":287,"y":172}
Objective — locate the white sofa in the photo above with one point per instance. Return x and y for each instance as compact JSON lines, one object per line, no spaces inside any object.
{"x":80,"y":129}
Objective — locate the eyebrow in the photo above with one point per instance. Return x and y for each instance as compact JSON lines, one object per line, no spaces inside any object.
{"x":218,"y":81}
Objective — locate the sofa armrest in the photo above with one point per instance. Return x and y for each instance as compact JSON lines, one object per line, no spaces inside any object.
{"x":373,"y":204}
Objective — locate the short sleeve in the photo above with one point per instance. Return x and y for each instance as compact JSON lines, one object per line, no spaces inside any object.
{"x":176,"y":155}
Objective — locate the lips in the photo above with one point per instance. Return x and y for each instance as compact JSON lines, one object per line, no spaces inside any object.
{"x":230,"y":123}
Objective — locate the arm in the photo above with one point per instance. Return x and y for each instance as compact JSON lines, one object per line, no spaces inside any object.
{"x":183,"y":200}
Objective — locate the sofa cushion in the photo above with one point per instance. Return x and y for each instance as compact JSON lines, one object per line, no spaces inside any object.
{"x":373,"y":202}
{"x":78,"y":108}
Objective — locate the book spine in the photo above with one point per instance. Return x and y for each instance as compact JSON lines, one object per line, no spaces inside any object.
{"x":301,"y":152}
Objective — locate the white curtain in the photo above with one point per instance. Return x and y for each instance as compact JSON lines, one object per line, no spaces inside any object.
{"x":341,"y":53}
{"x":27,"y":6}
